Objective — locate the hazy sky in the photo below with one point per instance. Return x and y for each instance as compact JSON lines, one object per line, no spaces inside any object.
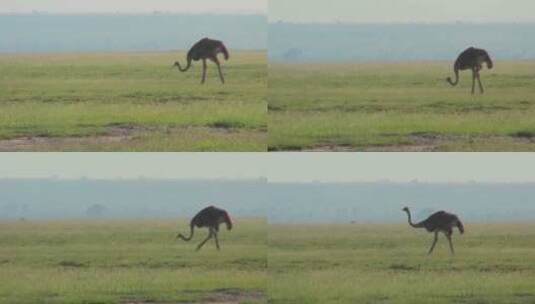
{"x":402,"y":10}
{"x":302,"y":167}
{"x":134,"y":6}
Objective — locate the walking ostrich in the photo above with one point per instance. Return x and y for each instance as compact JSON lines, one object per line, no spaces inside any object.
{"x":209,"y":217}
{"x":202,"y":50}
{"x":472,"y":59}
{"x":440,"y":221}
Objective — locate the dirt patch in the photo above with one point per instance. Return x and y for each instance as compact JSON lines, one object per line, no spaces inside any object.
{"x":366,"y":108}
{"x":227,"y":125}
{"x":33,"y":143}
{"x":446,"y":107}
{"x":392,"y":148}
{"x":403,"y":267}
{"x":218,"y":296}
{"x":284,"y":148}
{"x":233,"y":296}
{"x":114,"y":135}
{"x":418,"y":143}
{"x":331,"y":148}
{"x":432,"y":142}
{"x":273,"y":108}
{"x":429,"y":141}
{"x":524,"y":134}
{"x":125,"y":130}
{"x":403,"y":148}
{"x":415,"y":142}
{"x":71,"y":264}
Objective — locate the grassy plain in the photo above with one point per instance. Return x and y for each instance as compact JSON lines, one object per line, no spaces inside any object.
{"x":131,"y":102}
{"x":130,"y":262}
{"x":388,"y":264}
{"x":400,"y":107}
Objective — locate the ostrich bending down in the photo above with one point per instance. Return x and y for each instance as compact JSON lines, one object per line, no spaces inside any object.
{"x":472,"y":59}
{"x":440,"y":221}
{"x":209,"y":217}
{"x":205,"y":49}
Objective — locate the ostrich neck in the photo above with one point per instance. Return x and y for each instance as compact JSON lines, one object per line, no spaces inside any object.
{"x":410,"y":220}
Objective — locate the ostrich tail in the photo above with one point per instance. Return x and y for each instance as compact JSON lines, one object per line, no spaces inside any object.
{"x":454,"y":83}
{"x":460,"y":226}
{"x":182,"y":237}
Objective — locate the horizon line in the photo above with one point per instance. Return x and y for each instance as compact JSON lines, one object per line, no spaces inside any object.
{"x":334,"y":22}
{"x":118,"y":13}
{"x":264,"y":178}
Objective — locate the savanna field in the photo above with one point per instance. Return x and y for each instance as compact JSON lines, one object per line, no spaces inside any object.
{"x":131,"y":102}
{"x":494,"y":263}
{"x":400,"y":107}
{"x":140,"y":261}
{"x":130,"y":262}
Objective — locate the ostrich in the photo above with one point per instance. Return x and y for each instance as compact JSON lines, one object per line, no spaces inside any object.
{"x":202,"y":50}
{"x":440,"y":221}
{"x":209,"y":217}
{"x":472,"y":59}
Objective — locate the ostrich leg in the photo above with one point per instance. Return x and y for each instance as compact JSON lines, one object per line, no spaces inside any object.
{"x":479,"y":82}
{"x":210,"y":235}
{"x":216,"y":61}
{"x":203,"y":71}
{"x":448,"y":235}
{"x":216,"y":241}
{"x":434,"y":243}
{"x":474,"y":73}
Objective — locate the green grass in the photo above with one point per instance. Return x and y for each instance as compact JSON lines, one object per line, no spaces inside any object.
{"x":388,"y":264}
{"x":131,"y":102}
{"x":141,"y":262}
{"x":129,"y":261}
{"x":400,"y":107}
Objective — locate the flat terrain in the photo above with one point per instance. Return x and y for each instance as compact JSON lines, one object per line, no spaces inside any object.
{"x":131,"y":102}
{"x":400,"y":107}
{"x":388,"y":264}
{"x":130,"y":262}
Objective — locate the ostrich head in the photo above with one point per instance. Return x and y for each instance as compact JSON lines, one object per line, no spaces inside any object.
{"x":406,"y":209}
{"x":489,"y":62}
{"x":226,"y":219}
{"x":486,"y":59}
{"x":176,"y":64}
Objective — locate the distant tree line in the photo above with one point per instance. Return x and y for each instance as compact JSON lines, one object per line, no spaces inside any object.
{"x":396,"y":42}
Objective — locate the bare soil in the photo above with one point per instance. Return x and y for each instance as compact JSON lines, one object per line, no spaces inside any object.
{"x":234,"y":296}
{"x":114,"y":134}
{"x":219,"y":296}
{"x":428,"y":142}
